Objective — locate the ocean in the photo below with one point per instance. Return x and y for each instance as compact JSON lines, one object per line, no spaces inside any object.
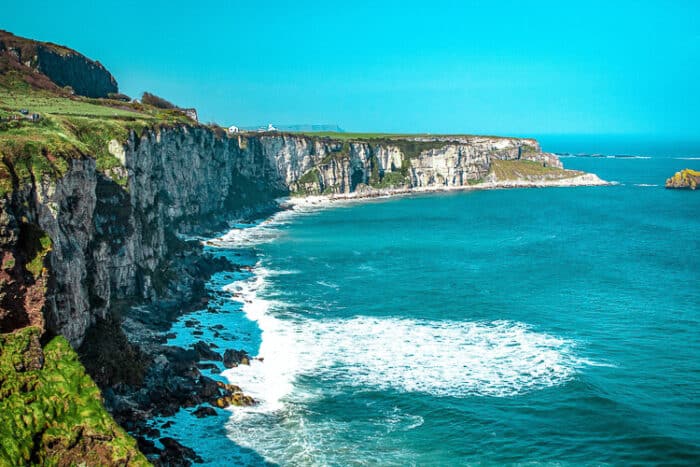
{"x":522,"y":326}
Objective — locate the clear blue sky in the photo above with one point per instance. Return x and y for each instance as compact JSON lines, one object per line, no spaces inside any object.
{"x":499,"y":67}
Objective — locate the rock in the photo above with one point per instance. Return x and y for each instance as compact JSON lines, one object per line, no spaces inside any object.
{"x":204,"y":411}
{"x":233,"y":358}
{"x":209,"y":387}
{"x":190,"y":323}
{"x":685,"y":179}
{"x":204,"y":352}
{"x":207,"y":366}
{"x":174,"y":452}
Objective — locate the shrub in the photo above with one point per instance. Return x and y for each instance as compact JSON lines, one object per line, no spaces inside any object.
{"x":155,"y":101}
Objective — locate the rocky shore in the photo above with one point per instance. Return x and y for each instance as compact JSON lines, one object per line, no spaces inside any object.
{"x":584,"y":179}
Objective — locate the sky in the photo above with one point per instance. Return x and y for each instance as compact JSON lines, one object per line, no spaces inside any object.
{"x":490,"y":67}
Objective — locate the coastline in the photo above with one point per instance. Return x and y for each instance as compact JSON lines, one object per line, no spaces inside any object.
{"x":585,"y":179}
{"x":246,"y":313}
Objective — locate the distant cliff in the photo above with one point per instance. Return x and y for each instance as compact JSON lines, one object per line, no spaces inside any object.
{"x":685,"y":179}
{"x":61,"y":65}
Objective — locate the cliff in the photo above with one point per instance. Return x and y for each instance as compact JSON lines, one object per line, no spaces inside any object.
{"x":112,"y":241}
{"x":95,"y":194}
{"x":54,"y":66}
{"x":685,"y":179}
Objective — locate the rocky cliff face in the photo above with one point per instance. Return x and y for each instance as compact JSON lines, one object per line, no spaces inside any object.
{"x":325,"y":166}
{"x":110,"y":244}
{"x":62,"y":66}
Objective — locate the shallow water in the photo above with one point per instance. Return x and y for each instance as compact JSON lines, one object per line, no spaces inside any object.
{"x":509,"y":326}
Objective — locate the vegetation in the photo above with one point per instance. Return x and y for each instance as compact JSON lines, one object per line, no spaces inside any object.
{"x":342,"y":136}
{"x":393,"y":179}
{"x":51,"y":411}
{"x":36,"y":264}
{"x":69,"y":127}
{"x":528,"y":170}
{"x":686,"y":178}
{"x":155,"y":101}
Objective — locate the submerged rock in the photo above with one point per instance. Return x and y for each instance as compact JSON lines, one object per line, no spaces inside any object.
{"x":174,"y":452}
{"x":204,"y":411}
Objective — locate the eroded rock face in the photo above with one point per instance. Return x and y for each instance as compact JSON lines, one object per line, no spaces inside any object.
{"x":110,"y":243}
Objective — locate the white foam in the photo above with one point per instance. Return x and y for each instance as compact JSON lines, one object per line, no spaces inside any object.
{"x":440,"y":358}
{"x":687,"y":158}
{"x":443,"y":358}
{"x":645,"y":184}
{"x":243,"y":236}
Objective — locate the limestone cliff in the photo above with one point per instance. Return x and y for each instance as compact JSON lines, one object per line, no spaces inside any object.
{"x":110,"y":242}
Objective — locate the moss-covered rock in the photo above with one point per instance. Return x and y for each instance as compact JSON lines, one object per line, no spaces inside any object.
{"x":51,"y":412}
{"x":685,"y":179}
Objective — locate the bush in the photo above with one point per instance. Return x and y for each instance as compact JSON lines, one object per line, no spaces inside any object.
{"x":155,"y":101}
{"x":119,"y":97}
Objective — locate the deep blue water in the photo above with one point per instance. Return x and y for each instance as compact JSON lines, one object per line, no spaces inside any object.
{"x":556,"y":325}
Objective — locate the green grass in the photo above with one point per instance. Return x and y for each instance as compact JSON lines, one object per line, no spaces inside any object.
{"x":44,"y":103}
{"x":36,"y":264}
{"x":393,"y":180}
{"x":334,"y":135}
{"x":69,"y":128}
{"x":52,"y":413}
{"x":528,"y":170}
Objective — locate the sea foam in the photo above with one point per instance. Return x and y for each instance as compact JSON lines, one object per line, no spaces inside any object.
{"x":442,"y":358}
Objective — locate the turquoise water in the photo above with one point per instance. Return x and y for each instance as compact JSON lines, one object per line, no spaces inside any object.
{"x":512,"y":326}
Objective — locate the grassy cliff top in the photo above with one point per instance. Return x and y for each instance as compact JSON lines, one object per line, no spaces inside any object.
{"x":51,"y":411}
{"x":29,"y":46}
{"x":68,"y":127}
{"x":342,"y":136}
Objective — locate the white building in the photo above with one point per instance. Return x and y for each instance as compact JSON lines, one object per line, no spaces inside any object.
{"x":233,"y":129}
{"x":270,"y":127}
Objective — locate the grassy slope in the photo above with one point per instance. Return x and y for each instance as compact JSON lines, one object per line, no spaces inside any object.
{"x":374,"y":136}
{"x":69,"y":128}
{"x":52,"y":414}
{"x":506,"y":170}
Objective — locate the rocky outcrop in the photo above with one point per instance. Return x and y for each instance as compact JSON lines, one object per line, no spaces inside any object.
{"x":687,"y":179}
{"x":62,"y":66}
{"x":325,"y":166}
